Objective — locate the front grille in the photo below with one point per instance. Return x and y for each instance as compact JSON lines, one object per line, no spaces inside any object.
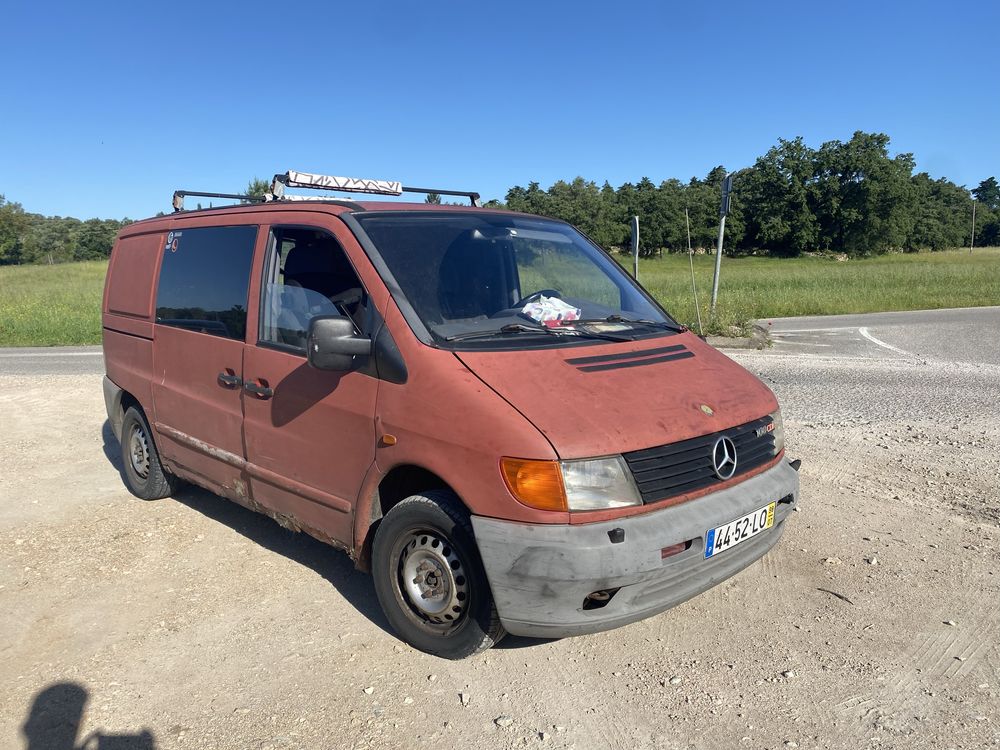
{"x":686,"y":466}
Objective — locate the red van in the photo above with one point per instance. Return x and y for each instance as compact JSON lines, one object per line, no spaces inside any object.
{"x":478,"y":406}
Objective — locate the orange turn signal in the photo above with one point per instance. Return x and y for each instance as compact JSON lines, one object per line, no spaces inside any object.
{"x":537,"y":484}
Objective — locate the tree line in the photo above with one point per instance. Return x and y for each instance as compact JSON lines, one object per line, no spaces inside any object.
{"x":849,"y":197}
{"x":33,"y":238}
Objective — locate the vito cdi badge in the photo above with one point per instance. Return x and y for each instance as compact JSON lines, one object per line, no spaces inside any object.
{"x":479,"y":406}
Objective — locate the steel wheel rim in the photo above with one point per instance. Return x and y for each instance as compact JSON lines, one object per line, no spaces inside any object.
{"x":138,"y":451}
{"x":431,"y":579}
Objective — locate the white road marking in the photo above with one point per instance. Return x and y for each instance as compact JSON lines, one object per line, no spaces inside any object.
{"x":810,"y":330}
{"x":788,"y":354}
{"x":879,"y":342}
{"x":30,"y":355}
{"x":803,"y":343}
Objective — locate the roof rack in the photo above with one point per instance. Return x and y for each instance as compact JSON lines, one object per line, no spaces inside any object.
{"x":179,"y":196}
{"x":295,"y":179}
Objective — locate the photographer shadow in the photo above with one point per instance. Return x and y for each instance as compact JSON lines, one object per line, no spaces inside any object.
{"x":54,"y":721}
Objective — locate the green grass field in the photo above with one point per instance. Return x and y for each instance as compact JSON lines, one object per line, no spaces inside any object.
{"x":754,"y":288}
{"x":50,"y":305}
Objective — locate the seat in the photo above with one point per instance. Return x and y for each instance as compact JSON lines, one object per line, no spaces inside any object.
{"x":319,"y":265}
{"x":292,"y":321}
{"x":471,"y":278}
{"x":292,"y":309}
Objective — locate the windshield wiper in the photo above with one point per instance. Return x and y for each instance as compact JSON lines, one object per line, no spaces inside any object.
{"x":584,"y":333}
{"x":633,"y":321}
{"x":509,"y":328}
{"x":545,"y":330}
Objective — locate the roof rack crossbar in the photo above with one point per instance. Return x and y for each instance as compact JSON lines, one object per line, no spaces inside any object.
{"x":472,"y":196}
{"x":179,"y":196}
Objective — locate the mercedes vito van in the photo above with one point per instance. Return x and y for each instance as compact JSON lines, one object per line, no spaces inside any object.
{"x":479,"y":406}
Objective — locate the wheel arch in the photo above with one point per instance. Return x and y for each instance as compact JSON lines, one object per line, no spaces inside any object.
{"x":117,"y":401}
{"x":128,"y":400}
{"x":393,"y":486}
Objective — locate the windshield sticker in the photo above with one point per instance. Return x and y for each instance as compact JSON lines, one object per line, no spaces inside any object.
{"x":172,"y":239}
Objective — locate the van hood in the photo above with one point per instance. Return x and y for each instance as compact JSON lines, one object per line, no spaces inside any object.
{"x":615,"y":398}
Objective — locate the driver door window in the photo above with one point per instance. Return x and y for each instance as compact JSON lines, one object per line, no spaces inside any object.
{"x":308,"y":275}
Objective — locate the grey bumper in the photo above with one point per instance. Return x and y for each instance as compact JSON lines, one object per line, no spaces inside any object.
{"x":541,"y":574}
{"x":113,"y":404}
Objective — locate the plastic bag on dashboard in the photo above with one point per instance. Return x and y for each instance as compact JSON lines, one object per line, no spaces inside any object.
{"x":550,"y":311}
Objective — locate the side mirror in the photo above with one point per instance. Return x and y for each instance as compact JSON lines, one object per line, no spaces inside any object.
{"x":332,"y":344}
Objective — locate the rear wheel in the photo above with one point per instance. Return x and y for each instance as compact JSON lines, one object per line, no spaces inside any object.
{"x":429,"y":578}
{"x":145,"y":476}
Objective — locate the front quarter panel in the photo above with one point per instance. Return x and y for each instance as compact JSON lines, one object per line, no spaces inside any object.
{"x":446,"y":420}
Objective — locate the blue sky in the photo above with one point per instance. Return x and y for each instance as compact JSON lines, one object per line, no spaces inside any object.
{"x":107,"y":108}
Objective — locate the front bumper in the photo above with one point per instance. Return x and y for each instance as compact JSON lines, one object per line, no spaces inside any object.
{"x":541,"y":574}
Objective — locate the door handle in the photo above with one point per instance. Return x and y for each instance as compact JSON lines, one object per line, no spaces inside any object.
{"x":230,"y":380}
{"x":260,"y":390}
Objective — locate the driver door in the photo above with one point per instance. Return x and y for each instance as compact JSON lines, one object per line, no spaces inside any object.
{"x":310,"y":434}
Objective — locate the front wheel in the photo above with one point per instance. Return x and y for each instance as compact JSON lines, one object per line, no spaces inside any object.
{"x":429,"y":578}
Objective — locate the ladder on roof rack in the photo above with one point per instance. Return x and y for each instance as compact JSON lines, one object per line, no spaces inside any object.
{"x":294,"y":179}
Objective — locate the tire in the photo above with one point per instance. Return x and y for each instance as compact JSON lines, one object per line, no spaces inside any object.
{"x":145,"y":476}
{"x":425,"y":545}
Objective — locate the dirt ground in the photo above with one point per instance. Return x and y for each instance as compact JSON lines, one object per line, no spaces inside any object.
{"x":193,"y":623}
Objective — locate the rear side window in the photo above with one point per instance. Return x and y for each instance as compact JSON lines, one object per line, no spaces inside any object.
{"x":204,"y":279}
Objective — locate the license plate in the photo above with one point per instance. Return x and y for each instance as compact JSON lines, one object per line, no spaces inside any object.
{"x":730,"y":534}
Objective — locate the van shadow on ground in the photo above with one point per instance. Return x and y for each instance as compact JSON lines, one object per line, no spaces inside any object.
{"x":301,"y":548}
{"x":54,"y":720}
{"x":335,"y":566}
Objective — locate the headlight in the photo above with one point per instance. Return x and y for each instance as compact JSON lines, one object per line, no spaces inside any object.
{"x":599,"y":483}
{"x":779,"y":431}
{"x":590,"y":484}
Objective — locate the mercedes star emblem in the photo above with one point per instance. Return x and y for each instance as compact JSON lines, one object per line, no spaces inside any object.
{"x":724,"y":458}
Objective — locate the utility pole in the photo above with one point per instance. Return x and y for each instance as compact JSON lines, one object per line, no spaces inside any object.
{"x":972,"y":240}
{"x":727,"y":189}
{"x":694,"y":286}
{"x":635,"y":246}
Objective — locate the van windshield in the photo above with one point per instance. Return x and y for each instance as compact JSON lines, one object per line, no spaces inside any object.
{"x":471,"y":276}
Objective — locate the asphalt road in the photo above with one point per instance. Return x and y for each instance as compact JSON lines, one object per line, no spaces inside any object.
{"x":928,"y":364}
{"x":51,"y":360}
{"x":966,"y":335}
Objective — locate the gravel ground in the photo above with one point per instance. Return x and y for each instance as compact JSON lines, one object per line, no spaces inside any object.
{"x":192,"y":623}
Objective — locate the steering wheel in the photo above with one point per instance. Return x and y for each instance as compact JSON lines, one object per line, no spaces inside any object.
{"x":347,"y":297}
{"x":535,"y":295}
{"x":346,"y":300}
